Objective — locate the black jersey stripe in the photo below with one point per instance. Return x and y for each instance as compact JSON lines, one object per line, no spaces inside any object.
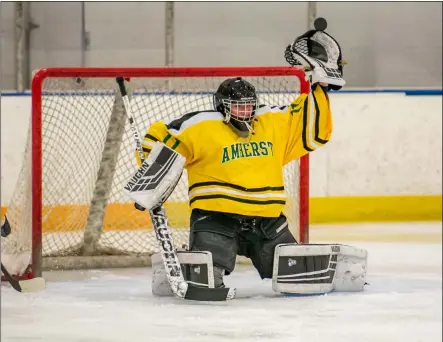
{"x":235,"y":199}
{"x":151,"y":137}
{"x":317,"y":123}
{"x":305,"y":126}
{"x":237,"y":187}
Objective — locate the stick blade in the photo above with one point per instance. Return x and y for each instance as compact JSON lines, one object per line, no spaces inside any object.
{"x":32,"y":285}
{"x":209,"y":294}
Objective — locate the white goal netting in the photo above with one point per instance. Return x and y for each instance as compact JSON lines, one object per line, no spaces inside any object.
{"x":87,"y":154}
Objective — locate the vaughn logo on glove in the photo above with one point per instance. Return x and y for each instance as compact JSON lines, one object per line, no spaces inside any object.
{"x":156,"y":178}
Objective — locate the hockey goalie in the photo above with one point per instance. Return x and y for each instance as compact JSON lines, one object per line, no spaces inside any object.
{"x":234,"y":154}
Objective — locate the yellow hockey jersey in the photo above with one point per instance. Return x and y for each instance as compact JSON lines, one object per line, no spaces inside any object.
{"x":227,"y":173}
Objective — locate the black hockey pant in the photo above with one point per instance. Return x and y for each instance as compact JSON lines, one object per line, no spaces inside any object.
{"x":229,"y":235}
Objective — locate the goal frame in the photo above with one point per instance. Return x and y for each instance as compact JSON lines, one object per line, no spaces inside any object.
{"x":151,"y":72}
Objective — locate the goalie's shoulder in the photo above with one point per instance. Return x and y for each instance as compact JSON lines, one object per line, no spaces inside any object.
{"x":178,"y":125}
{"x":267,"y":109}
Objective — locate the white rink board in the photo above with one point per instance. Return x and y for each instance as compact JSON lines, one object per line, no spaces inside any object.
{"x":376,"y":138}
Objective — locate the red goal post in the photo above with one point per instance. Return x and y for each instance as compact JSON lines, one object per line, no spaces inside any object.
{"x":68,"y":193}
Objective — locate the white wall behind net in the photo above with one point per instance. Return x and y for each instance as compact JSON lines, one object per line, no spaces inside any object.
{"x":387,"y":44}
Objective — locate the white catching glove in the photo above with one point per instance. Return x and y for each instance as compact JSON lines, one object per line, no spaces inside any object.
{"x":320,"y":55}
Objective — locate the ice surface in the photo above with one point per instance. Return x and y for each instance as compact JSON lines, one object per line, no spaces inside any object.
{"x":402,"y":302}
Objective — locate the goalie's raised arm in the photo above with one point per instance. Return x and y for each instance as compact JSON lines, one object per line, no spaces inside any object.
{"x":308,"y":119}
{"x":307,"y":123}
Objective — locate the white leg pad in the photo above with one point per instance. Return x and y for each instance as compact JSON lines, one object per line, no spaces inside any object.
{"x":350,"y":274}
{"x":196,"y":265}
{"x":317,"y":269}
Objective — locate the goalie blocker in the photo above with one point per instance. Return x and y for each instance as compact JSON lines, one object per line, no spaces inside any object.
{"x":156,"y":178}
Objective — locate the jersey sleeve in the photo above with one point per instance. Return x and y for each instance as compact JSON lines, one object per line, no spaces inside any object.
{"x":308,"y":124}
{"x":159,"y":132}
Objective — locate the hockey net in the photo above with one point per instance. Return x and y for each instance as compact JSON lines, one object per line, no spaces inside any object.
{"x":68,"y":209}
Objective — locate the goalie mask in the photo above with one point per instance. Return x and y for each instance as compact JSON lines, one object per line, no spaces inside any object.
{"x":236,"y":99}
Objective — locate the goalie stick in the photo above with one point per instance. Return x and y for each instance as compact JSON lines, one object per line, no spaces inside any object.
{"x":28,"y":285}
{"x":174,"y":273}
{"x":6,"y":228}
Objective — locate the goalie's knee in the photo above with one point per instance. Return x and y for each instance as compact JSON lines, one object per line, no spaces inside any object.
{"x":264,"y":259}
{"x":223,"y":248}
{"x":316,"y":269}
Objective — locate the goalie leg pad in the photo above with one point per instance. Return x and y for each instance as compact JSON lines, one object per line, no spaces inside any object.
{"x":195,"y":276}
{"x":350,"y":274}
{"x":317,"y":269}
{"x":196,"y":266}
